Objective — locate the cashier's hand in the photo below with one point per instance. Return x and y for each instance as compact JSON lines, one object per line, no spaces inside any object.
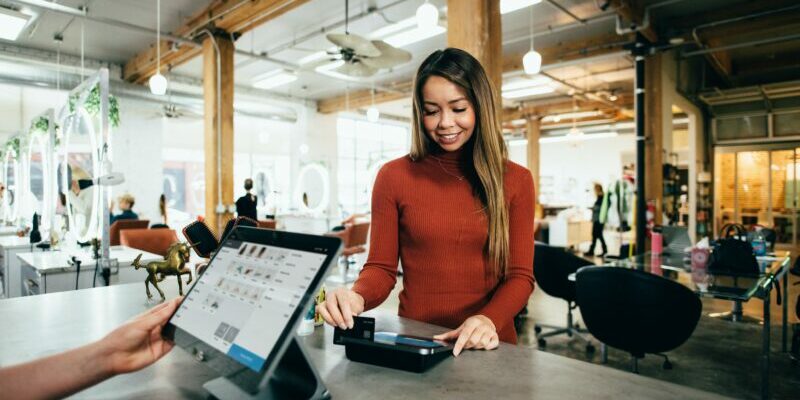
{"x":477,"y":332}
{"x":138,"y":343}
{"x":340,"y":306}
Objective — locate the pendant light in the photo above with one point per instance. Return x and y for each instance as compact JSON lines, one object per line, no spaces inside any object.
{"x":372,"y":112}
{"x":427,"y":16}
{"x":532,"y":60}
{"x":158,"y":83}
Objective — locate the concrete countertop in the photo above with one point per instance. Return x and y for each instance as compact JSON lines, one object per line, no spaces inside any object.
{"x":57,"y":260}
{"x":41,"y":325}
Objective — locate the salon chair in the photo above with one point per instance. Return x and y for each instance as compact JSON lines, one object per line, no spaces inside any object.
{"x":120,"y":225}
{"x":636,"y":311}
{"x":156,"y":241}
{"x":552,"y":267}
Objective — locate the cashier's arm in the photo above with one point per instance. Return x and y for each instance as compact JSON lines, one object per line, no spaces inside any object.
{"x":131,"y":347}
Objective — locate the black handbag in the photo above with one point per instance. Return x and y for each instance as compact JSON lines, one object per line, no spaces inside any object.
{"x":732,"y":254}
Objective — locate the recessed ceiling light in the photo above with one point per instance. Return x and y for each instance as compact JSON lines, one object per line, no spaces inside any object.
{"x":507,"y":6}
{"x":274,"y":78}
{"x":12,"y":23}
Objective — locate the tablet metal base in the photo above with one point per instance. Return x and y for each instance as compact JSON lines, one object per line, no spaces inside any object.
{"x":294,"y":378}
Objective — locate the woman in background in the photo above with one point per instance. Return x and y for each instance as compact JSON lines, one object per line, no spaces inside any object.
{"x":597,"y":223}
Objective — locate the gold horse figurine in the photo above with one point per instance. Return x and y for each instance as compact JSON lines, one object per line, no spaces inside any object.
{"x":174,"y":264}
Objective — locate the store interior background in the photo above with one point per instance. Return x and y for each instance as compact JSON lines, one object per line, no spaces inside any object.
{"x":722,"y":108}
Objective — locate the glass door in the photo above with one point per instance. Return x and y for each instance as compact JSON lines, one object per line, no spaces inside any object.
{"x":756,"y":187}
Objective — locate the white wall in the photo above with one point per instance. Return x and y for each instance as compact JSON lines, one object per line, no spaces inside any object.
{"x":575,"y":167}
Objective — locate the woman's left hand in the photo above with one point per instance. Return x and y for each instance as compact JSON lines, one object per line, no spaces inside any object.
{"x":138,"y":343}
{"x":477,"y":332}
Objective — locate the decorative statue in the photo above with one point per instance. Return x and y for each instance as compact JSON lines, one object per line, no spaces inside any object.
{"x":174,"y":264}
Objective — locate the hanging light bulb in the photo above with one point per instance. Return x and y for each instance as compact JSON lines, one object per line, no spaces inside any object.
{"x":427,"y":16}
{"x":158,"y":83}
{"x":532,"y":60}
{"x":372,"y":112}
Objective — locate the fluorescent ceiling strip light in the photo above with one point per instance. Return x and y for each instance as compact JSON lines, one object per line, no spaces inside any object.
{"x":528,"y":92}
{"x":565,"y":138}
{"x":328,"y":69}
{"x":320,"y":55}
{"x":387,"y":30}
{"x":571,"y":115}
{"x":12,"y":23}
{"x":273,"y":79}
{"x":518,"y":142}
{"x":507,"y":6}
{"x":415,"y":35}
{"x":523,"y":83}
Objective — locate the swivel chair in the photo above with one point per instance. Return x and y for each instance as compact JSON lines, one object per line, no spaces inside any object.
{"x":123,"y":224}
{"x":552,"y":268}
{"x":156,"y":241}
{"x":636,"y":311}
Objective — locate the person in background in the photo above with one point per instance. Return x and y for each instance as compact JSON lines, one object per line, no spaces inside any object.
{"x":162,"y":208}
{"x":598,"y":222}
{"x":131,"y":347}
{"x":126,"y":202}
{"x":246,"y":205}
{"x":455,"y":211}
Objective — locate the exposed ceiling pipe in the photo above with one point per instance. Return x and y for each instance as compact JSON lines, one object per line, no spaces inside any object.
{"x":566,"y":11}
{"x":710,"y":51}
{"x":560,"y":28}
{"x":77,"y":13}
{"x":749,"y":43}
{"x":137,"y":92}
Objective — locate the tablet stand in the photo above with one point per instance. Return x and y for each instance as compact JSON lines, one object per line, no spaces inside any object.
{"x":294,"y":378}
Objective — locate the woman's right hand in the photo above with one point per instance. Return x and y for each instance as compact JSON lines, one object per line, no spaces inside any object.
{"x":340,"y":306}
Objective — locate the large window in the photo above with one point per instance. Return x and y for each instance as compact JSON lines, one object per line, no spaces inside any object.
{"x":363,"y":148}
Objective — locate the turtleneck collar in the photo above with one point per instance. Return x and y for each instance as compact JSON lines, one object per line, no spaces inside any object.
{"x":460,"y":157}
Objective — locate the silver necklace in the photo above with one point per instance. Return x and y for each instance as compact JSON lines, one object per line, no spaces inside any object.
{"x":459,"y":177}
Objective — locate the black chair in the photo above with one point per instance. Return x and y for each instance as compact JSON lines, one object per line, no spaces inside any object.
{"x":636,"y":311}
{"x":551,"y":268}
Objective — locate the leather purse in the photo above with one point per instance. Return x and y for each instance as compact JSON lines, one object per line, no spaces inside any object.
{"x":732,"y":254}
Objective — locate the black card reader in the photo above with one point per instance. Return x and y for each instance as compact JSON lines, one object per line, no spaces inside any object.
{"x":389,"y":349}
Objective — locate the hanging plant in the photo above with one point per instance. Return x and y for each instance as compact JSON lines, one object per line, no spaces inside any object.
{"x":13,"y":145}
{"x":41,"y":125}
{"x":92,"y":105}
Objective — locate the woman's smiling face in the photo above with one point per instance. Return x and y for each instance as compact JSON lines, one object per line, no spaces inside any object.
{"x":447,"y":114}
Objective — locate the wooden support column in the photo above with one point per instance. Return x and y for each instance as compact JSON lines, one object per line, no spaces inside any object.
{"x":218,"y":146}
{"x":654,"y":128}
{"x":474,"y":26}
{"x":533,"y":134}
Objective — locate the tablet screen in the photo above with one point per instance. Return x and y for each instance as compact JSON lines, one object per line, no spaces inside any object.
{"x":241,"y":305}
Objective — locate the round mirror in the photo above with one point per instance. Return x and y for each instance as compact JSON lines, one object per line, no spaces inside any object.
{"x":10,"y":178}
{"x":313,"y":188}
{"x":80,"y":161}
{"x":37,"y":198}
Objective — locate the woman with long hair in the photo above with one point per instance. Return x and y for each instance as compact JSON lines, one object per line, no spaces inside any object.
{"x":456,"y":212}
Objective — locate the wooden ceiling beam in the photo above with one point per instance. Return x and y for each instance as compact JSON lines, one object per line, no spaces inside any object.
{"x":633,"y":11}
{"x":562,"y":106}
{"x":230,"y":16}
{"x":363,"y":98}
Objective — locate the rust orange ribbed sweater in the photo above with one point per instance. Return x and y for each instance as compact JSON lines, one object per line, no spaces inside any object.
{"x":424,"y":213}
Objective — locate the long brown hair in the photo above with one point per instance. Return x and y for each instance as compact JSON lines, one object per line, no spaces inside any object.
{"x":489,"y":153}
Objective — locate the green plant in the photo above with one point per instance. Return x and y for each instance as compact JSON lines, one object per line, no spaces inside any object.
{"x":92,"y":105}
{"x":13,"y":146}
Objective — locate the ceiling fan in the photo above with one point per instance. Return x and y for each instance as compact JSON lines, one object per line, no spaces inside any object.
{"x":363,"y":57}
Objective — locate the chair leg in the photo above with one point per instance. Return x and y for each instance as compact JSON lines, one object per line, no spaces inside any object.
{"x":634,"y":364}
{"x":667,"y":364}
